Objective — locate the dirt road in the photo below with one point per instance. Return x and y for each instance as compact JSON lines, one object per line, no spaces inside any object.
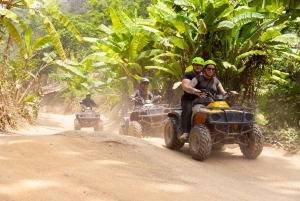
{"x":36,"y":165}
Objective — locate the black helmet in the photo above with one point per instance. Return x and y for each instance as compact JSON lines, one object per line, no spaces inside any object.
{"x":144,"y":80}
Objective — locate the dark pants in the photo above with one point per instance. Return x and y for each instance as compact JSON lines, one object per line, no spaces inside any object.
{"x":186,"y":115}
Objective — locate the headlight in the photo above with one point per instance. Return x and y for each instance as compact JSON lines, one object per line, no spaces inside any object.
{"x":215,"y":117}
{"x":249,"y":117}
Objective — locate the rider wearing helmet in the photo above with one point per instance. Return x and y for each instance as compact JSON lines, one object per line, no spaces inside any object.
{"x":187,"y":98}
{"x":205,"y":81}
{"x":88,"y":102}
{"x":143,"y":93}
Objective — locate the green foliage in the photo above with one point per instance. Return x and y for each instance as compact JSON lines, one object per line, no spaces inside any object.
{"x":289,"y":4}
{"x":70,"y":43}
{"x":73,"y":6}
{"x":241,"y":39}
{"x":22,"y":61}
{"x":281,"y":105}
{"x":97,"y":12}
{"x":82,"y":77}
{"x":287,"y":139}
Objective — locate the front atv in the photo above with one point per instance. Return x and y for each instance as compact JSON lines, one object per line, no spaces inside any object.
{"x":215,"y":125}
{"x":88,"y":118}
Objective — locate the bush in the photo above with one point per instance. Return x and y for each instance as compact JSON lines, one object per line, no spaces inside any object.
{"x":281,"y":106}
{"x":286,"y":139}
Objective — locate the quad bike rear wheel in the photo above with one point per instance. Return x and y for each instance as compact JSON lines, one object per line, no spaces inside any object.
{"x":200,"y":142}
{"x":135,"y":129}
{"x":76,"y":125}
{"x":254,"y":142}
{"x":170,"y":134}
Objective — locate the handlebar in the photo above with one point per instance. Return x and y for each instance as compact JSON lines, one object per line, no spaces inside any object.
{"x":139,"y":98}
{"x":217,"y":97}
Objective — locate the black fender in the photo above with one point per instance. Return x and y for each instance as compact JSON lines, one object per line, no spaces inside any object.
{"x":134,"y":116}
{"x":126,"y":121}
{"x":175,"y":114}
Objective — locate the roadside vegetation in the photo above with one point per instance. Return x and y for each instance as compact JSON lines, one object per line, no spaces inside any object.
{"x":105,"y":47}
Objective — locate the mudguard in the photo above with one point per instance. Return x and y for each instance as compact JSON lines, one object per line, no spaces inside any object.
{"x":176,"y":114}
{"x":126,"y":119}
{"x":126,"y":126}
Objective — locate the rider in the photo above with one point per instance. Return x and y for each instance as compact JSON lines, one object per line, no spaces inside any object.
{"x":144,"y":93}
{"x":88,"y":102}
{"x":205,"y":81}
{"x":187,"y":98}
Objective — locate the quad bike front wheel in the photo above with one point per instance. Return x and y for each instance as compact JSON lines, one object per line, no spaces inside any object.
{"x":135,"y":129}
{"x":76,"y":125}
{"x":170,"y":134}
{"x":253,"y":143}
{"x":200,"y":142}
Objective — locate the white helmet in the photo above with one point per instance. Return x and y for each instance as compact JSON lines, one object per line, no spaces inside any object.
{"x":144,"y":80}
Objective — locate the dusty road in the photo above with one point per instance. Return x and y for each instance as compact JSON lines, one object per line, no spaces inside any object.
{"x":53,"y":162}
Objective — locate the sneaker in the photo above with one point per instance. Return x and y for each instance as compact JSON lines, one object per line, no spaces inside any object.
{"x":184,"y":137}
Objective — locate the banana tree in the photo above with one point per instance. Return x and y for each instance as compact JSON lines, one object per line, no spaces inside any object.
{"x":232,"y":33}
{"x":126,"y":49}
{"x":19,"y":79}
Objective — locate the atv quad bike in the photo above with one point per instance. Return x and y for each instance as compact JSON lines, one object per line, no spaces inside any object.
{"x":215,"y":125}
{"x":88,"y":118}
{"x":146,"y":120}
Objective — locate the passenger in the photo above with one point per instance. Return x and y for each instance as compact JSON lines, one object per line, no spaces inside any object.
{"x":143,"y":93}
{"x":187,"y":98}
{"x":205,"y":81}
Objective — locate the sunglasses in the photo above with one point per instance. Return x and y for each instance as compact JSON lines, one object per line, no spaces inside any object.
{"x":145,"y":83}
{"x":212,"y":69}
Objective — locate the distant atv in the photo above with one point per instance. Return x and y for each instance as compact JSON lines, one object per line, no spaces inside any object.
{"x":215,"y":125}
{"x":146,"y":120}
{"x":88,"y":118}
